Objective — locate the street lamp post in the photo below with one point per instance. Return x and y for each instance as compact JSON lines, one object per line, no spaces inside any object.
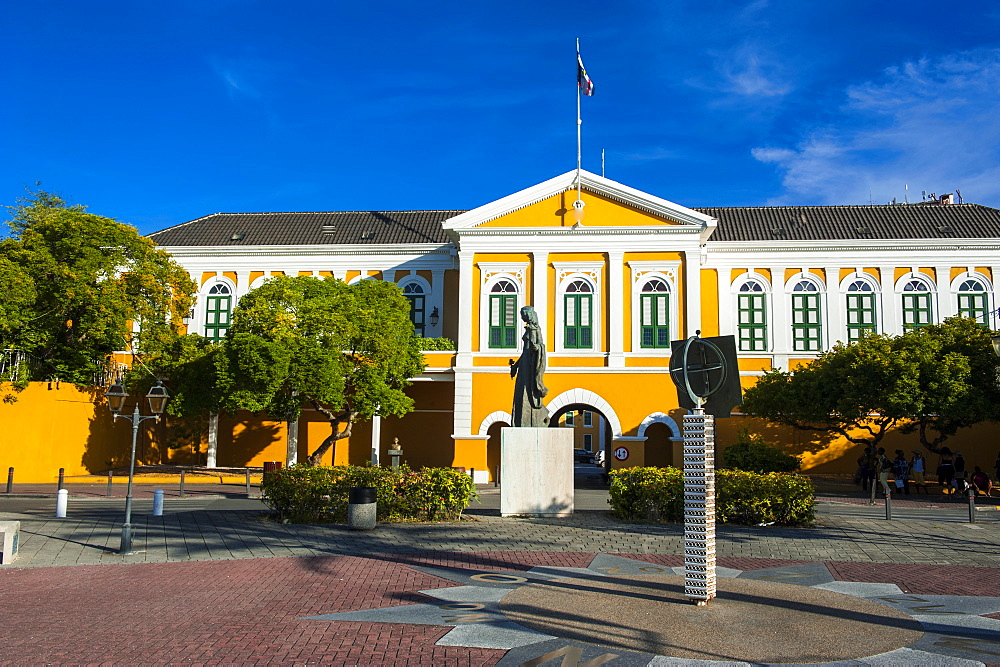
{"x":157,"y":398}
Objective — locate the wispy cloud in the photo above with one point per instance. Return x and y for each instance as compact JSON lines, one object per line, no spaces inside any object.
{"x":929,"y":123}
{"x":246,"y":77}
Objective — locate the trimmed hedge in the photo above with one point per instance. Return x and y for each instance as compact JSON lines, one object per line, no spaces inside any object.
{"x":751,"y":453}
{"x":436,"y":344}
{"x":657,"y":495}
{"x":319,"y":494}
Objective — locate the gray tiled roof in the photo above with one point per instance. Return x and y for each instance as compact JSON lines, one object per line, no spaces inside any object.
{"x":742,"y":223}
{"x":338,"y":227}
{"x":893,"y":221}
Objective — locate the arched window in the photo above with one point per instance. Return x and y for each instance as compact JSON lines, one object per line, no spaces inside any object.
{"x":807,"y":328}
{"x":860,"y":310}
{"x":972,"y":301}
{"x":218,"y":308}
{"x":578,"y":316}
{"x":752,"y":305}
{"x":916,"y":305}
{"x":654,"y":314}
{"x":503,"y":315}
{"x":414,"y":293}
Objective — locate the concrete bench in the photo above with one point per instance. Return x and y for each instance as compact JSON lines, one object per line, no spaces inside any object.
{"x":8,"y":540}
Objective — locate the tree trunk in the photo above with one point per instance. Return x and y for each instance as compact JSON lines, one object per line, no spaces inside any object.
{"x":316,"y":458}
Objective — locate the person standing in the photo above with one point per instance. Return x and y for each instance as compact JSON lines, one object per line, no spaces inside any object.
{"x":961,"y":474}
{"x":917,"y":466}
{"x":945,"y":470}
{"x":901,"y":471}
{"x":883,"y":466}
{"x":865,"y":463}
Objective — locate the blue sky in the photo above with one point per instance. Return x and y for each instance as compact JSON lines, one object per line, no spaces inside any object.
{"x":158,"y":113}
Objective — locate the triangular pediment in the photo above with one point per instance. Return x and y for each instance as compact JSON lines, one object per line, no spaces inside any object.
{"x":549,"y":204}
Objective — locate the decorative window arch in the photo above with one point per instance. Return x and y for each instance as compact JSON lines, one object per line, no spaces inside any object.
{"x":500,"y":302}
{"x":916,"y":292}
{"x":972,"y":289}
{"x":806,"y":292}
{"x":217,"y":294}
{"x":751,"y":293}
{"x":861,"y":301}
{"x":577,"y":307}
{"x":417,"y":291}
{"x":654,"y":306}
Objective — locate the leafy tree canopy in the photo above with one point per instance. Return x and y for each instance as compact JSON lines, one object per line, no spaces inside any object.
{"x":347,"y":350}
{"x":72,"y":283}
{"x":933,"y":380}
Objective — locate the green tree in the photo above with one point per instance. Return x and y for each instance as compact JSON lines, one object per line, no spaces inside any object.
{"x":346,"y":350}
{"x":74,"y":283}
{"x":933,"y":380}
{"x":957,"y":372}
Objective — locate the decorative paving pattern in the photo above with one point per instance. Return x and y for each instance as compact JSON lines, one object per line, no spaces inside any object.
{"x":957,"y":630}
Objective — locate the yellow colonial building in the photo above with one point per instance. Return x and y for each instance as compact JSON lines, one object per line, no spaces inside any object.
{"x":612,"y":287}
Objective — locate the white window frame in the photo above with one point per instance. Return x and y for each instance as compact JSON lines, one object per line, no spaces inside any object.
{"x":824,"y":320}
{"x":566,"y":274}
{"x":428,"y":304}
{"x":769,"y":318}
{"x":201,"y":306}
{"x":982,"y":280}
{"x":490,"y":274}
{"x":931,"y":289}
{"x":876,"y":291}
{"x":643,"y":272}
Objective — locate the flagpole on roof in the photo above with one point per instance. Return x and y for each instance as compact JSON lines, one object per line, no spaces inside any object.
{"x":579,"y":123}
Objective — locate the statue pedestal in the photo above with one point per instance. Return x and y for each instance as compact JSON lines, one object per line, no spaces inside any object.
{"x":536,"y":471}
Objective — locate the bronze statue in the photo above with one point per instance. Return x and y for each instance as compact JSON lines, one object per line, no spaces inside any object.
{"x":528,"y":371}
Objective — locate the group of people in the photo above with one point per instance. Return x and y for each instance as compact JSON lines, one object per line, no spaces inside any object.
{"x":952,"y":473}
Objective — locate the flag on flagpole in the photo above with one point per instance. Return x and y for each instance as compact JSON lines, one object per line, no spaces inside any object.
{"x":582,"y":80}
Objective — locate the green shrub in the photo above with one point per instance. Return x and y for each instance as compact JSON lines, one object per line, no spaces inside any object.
{"x":436,"y":344}
{"x":319,"y":494}
{"x":657,"y":495}
{"x":751,"y":453}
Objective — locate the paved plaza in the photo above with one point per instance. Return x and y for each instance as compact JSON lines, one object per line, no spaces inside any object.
{"x":214,"y":581}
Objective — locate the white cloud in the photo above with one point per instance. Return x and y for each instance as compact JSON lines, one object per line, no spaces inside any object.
{"x":932,"y":124}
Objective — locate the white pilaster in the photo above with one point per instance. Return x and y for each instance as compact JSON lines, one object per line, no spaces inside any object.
{"x":994,"y":318}
{"x":947,"y":304}
{"x":467,"y":311}
{"x":834,"y":308}
{"x":692,"y":291}
{"x":616,"y":323}
{"x":436,"y":301}
{"x":892,"y":322}
{"x":292,"y":442}
{"x":376,"y":438}
{"x":724,"y":287}
{"x":540,"y":287}
{"x":781,"y":316}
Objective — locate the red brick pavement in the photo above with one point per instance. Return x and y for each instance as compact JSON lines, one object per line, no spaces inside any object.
{"x":241,"y":611}
{"x":923,"y":579}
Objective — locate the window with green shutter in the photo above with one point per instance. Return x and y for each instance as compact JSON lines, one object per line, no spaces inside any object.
{"x":860,"y":310}
{"x":218,"y":308}
{"x":807,"y":328}
{"x":654,"y":314}
{"x":414,"y":293}
{"x":578,"y":331}
{"x":752,"y":305}
{"x":916,"y":305}
{"x":972,"y":301}
{"x":503,"y":315}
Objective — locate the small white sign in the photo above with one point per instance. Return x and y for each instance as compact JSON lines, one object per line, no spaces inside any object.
{"x":621,"y":453}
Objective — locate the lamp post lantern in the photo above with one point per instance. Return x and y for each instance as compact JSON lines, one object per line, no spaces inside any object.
{"x":996,"y":345}
{"x":116,"y":396}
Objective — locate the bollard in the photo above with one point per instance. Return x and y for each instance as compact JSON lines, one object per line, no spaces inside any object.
{"x":62,"y":478}
{"x":972,"y":505}
{"x":110,"y":482}
{"x":888,"y":506}
{"x":472,"y":474}
{"x":181,"y":493}
{"x":496,"y":477}
{"x":10,"y":479}
{"x":248,"y":482}
{"x":158,"y":502}
{"x":62,"y":499}
{"x":362,"y":508}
